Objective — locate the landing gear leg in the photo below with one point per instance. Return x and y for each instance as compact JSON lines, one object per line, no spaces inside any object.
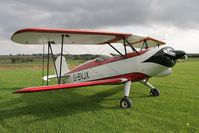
{"x":154,"y":91}
{"x":126,"y":101}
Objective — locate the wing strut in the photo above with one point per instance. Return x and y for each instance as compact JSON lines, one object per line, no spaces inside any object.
{"x":52,"y":56}
{"x":125,"y":50}
{"x":50,"y":51}
{"x":60,"y":72}
{"x":131,"y":46}
{"x":124,"y":43}
{"x":115,"y":49}
{"x":48,"y":63}
{"x":144,"y":44}
{"x":43,"y":65}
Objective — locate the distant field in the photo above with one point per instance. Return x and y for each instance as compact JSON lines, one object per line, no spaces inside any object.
{"x":96,"y":109}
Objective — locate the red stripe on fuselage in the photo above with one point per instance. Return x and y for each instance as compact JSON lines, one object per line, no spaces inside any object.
{"x":95,"y":63}
{"x":130,"y":76}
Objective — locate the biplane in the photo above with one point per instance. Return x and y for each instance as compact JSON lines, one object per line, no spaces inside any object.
{"x":148,"y":57}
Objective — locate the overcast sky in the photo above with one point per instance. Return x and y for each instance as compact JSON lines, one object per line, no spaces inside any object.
{"x":174,"y":21}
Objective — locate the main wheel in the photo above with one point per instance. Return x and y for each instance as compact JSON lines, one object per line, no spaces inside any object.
{"x":154,"y":92}
{"x":125,"y":102}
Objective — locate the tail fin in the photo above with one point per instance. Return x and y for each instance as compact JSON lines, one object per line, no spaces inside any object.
{"x":64,"y":68}
{"x":64,"y":65}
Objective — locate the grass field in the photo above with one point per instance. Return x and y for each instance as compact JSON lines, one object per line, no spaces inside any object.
{"x":96,"y":109}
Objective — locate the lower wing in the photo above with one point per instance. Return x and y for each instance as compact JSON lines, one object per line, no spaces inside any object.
{"x":71,"y":85}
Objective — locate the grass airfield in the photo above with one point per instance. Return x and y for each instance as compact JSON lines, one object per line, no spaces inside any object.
{"x":96,"y":108}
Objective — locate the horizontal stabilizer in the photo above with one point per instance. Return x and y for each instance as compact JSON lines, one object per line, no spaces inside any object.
{"x":64,"y":68}
{"x":71,"y":85}
{"x":49,"y":77}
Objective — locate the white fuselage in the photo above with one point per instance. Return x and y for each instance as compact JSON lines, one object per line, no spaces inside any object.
{"x":125,"y":67}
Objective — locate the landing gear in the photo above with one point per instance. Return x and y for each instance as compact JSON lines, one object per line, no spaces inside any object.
{"x":125,"y":102}
{"x":154,"y":92}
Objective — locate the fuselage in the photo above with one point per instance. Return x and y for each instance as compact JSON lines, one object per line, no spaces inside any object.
{"x":134,"y":67}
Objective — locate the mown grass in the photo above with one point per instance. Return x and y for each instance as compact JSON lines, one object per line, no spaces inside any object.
{"x":96,"y":109}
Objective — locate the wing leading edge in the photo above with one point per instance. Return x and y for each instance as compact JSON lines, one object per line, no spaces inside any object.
{"x":45,"y":35}
{"x":71,"y":85}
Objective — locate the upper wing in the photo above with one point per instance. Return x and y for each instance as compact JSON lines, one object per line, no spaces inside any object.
{"x":71,"y":85}
{"x":137,"y":41}
{"x":42,"y":35}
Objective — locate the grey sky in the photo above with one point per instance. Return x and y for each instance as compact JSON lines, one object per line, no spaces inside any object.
{"x":95,"y":14}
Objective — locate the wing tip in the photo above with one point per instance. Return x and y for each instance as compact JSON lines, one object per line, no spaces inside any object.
{"x":20,"y":91}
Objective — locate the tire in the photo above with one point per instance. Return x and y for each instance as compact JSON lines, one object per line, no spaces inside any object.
{"x":125,"y":102}
{"x":154,"y":92}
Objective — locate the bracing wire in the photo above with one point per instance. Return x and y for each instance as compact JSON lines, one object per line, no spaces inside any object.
{"x":43,"y":65}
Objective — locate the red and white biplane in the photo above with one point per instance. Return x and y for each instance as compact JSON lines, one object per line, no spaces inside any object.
{"x":148,"y":58}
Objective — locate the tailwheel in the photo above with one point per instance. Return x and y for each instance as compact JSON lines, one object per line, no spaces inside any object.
{"x":154,"y":92}
{"x":125,"y":102}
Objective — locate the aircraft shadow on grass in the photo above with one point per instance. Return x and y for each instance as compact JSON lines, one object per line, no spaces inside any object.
{"x":49,"y":105}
